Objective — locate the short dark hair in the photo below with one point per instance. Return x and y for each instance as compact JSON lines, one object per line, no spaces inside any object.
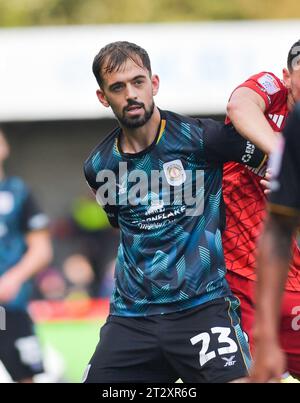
{"x":115,"y":54}
{"x":293,"y":53}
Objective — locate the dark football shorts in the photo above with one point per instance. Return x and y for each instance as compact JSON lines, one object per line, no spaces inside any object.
{"x":20,"y":351}
{"x":200,"y":345}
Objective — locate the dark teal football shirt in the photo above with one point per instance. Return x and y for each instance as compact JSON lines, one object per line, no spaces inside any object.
{"x":170,"y":255}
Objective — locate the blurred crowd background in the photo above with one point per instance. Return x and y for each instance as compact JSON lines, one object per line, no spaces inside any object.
{"x":50,"y":114}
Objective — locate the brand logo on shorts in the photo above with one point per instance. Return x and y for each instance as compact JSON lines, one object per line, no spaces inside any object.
{"x":229,"y":361}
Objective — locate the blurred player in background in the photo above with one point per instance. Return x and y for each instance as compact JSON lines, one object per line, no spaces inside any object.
{"x":25,"y":249}
{"x":274,"y":254}
{"x":172,"y":314}
{"x":258,"y":109}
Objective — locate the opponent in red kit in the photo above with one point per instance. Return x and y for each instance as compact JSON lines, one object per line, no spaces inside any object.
{"x":258,"y":109}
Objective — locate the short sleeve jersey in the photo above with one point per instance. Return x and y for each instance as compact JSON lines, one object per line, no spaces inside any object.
{"x":170,"y":256}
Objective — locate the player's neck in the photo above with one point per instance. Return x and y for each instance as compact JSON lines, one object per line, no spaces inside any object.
{"x":136,"y":140}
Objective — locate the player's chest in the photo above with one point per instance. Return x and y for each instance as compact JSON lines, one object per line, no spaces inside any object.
{"x":155,"y":193}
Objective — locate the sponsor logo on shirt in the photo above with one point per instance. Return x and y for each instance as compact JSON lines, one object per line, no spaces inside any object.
{"x":159,"y":218}
{"x":156,"y":205}
{"x":249,"y":151}
{"x":277,"y":119}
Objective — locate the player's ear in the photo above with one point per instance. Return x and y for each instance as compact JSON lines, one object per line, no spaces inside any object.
{"x":155,"y":84}
{"x":286,"y":77}
{"x":102,"y":98}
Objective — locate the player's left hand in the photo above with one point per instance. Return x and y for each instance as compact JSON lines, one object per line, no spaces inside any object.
{"x":10,"y":284}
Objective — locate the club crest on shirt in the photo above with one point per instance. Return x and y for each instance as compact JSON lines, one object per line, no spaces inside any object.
{"x":174,"y":172}
{"x":6,"y":203}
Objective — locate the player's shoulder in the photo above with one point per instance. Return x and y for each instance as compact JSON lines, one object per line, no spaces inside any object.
{"x":102,"y":151}
{"x":267,"y":81}
{"x":200,"y":124}
{"x":266,"y":74}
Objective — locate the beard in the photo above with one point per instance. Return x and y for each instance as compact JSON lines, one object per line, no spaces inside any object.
{"x":135,"y":122}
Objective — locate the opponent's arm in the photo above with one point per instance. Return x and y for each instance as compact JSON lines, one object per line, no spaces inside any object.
{"x":246,"y":110}
{"x":273,"y":264}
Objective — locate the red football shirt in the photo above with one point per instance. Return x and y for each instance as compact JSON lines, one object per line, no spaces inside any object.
{"x":243,"y":194}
